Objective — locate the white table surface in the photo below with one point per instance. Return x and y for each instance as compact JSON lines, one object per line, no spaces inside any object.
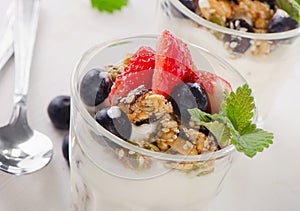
{"x":270,"y":181}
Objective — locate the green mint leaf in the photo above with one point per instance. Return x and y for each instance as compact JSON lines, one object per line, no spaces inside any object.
{"x":292,"y":7}
{"x":108,"y":5}
{"x":218,"y":128}
{"x":252,"y":142}
{"x":220,"y":131}
{"x":239,"y":108}
{"x":198,"y":116}
{"x":234,"y":123}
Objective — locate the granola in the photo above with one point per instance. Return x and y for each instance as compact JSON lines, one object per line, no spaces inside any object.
{"x":168,"y":136}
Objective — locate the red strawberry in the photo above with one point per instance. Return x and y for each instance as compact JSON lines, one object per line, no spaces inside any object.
{"x":143,"y":59}
{"x":214,"y":86}
{"x":138,"y":71}
{"x":173,"y":63}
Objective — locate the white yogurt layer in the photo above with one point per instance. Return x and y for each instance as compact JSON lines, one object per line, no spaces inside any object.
{"x":100,"y":181}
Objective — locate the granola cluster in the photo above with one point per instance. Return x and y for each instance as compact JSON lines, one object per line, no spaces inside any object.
{"x":168,"y":134}
{"x":256,"y":12}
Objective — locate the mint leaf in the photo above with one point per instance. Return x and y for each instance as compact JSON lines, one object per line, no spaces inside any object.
{"x":220,"y":131}
{"x":253,"y":142}
{"x":291,"y":7}
{"x":108,"y":5}
{"x":218,"y":128}
{"x":234,"y":123}
{"x":239,"y":109}
{"x":198,"y":116}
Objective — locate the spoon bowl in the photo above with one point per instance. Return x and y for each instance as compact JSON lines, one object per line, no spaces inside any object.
{"x":23,"y":150}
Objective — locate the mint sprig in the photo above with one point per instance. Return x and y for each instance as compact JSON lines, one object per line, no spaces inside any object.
{"x":234,"y":123}
{"x":108,"y":5}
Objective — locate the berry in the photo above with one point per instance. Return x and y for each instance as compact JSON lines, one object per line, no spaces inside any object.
{"x":214,"y":87}
{"x":114,"y":120}
{"x":281,"y":24}
{"x":173,"y":64}
{"x":271,"y":3}
{"x":238,"y":44}
{"x":59,"y":112}
{"x":95,"y":86}
{"x":137,"y":72}
{"x":234,"y":1}
{"x":143,"y":59}
{"x":65,"y":148}
{"x":187,"y":96}
{"x":189,"y":4}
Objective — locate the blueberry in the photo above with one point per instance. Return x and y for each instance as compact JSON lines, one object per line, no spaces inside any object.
{"x":65,"y":148}
{"x":114,"y":120}
{"x":281,"y":24}
{"x":271,"y":3}
{"x":236,"y":43}
{"x":235,"y":1}
{"x":187,"y":96}
{"x":95,"y":86}
{"x":189,"y":4}
{"x":59,"y":112}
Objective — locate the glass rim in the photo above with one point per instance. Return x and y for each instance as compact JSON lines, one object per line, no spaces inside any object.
{"x":260,"y":36}
{"x":77,"y":102}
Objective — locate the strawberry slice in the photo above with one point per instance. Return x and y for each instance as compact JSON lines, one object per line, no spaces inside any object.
{"x":214,"y":86}
{"x":138,"y":71}
{"x":173,"y":63}
{"x":143,"y":59}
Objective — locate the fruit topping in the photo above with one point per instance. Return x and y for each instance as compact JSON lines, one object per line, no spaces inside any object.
{"x":186,"y":96}
{"x":173,"y":64}
{"x":143,"y":59}
{"x":59,"y":112}
{"x":189,"y":4}
{"x":214,"y":87}
{"x":281,"y":22}
{"x":65,"y":147}
{"x":161,"y":103}
{"x":95,"y":86}
{"x":114,"y":120}
{"x":138,"y":71}
{"x":271,"y":3}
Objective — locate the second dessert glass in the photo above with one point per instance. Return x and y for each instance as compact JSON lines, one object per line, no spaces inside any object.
{"x":108,"y":173}
{"x":265,"y":60}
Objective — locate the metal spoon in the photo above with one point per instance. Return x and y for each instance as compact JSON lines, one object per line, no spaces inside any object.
{"x":23,"y":150}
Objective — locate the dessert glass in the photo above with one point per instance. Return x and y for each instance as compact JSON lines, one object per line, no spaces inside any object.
{"x":100,"y":178}
{"x":267,"y":61}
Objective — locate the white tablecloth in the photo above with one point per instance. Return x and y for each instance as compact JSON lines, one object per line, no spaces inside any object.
{"x":270,"y":181}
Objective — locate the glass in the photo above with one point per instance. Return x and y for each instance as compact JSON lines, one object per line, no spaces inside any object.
{"x":101,"y":178}
{"x":265,"y":61}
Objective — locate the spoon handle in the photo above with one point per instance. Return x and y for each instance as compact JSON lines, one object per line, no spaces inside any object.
{"x":27,"y":13}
